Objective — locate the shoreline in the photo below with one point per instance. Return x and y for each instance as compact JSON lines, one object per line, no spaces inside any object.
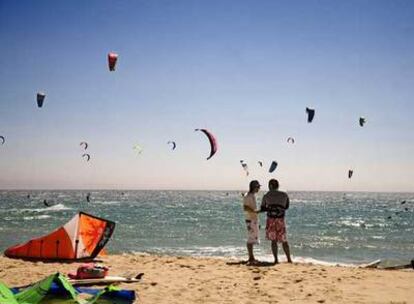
{"x":184,"y":279}
{"x":266,"y":259}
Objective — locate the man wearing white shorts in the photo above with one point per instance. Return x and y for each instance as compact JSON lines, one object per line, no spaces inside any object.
{"x":252,"y":223}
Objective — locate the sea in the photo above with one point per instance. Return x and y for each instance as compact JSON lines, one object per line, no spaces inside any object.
{"x":323,"y":227}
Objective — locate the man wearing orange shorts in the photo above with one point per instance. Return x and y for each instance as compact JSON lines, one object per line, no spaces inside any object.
{"x":275,"y":203}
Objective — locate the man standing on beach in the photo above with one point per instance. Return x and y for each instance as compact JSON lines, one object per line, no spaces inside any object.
{"x":275,"y":203}
{"x":252,"y":224}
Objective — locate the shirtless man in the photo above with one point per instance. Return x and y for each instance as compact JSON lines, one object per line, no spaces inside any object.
{"x":275,"y":203}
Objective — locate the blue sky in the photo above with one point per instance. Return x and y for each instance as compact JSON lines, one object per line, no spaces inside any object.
{"x":245,"y":70}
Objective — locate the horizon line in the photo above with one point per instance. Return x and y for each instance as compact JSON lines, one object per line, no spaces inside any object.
{"x":196,"y":190}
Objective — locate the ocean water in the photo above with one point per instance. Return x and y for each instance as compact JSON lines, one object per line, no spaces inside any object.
{"x":331,"y":227}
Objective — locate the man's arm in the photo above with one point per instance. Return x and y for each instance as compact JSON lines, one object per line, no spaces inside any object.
{"x":287,"y":202}
{"x":248,"y":208}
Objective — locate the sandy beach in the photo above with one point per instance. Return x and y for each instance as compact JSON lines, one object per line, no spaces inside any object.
{"x":208,"y":280}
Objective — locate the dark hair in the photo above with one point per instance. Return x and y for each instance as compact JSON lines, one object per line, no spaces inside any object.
{"x":273,"y":184}
{"x":253,"y":185}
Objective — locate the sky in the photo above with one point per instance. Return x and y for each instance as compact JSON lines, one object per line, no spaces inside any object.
{"x":245,"y":70}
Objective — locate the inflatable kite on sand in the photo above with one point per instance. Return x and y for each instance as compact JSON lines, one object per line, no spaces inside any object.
{"x":82,"y":238}
{"x":56,"y":288}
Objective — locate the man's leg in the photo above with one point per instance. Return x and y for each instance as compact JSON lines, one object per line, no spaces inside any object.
{"x":286,"y":249}
{"x":250,"y":251}
{"x":274,"y":250}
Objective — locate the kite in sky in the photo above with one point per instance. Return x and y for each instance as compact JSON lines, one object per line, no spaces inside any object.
{"x":212,"y":140}
{"x":40,"y":98}
{"x":311,"y":114}
{"x":174,"y":145}
{"x":273,"y":166}
{"x":112,"y":59}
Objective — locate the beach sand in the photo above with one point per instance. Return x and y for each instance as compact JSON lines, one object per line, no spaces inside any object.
{"x":209,"y":280}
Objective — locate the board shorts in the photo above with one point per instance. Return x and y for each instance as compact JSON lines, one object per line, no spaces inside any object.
{"x":252,"y":232}
{"x":276,"y":229}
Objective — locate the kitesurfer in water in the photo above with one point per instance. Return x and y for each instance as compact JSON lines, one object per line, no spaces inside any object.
{"x":45,"y":203}
{"x":252,"y":223}
{"x":88,"y":197}
{"x":275,"y":203}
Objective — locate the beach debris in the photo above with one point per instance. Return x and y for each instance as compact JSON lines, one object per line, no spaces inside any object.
{"x":260,"y":163}
{"x":212,"y":140}
{"x":390,"y":264}
{"x":290,"y":140}
{"x":311,"y":114}
{"x":87,"y":156}
{"x":245,"y":167}
{"x":350,"y":173}
{"x":137,"y":149}
{"x":83,"y":237}
{"x":3,"y":140}
{"x":372,"y":264}
{"x":89,"y":271}
{"x":401,"y":266}
{"x":112,"y":59}
{"x":84,"y":144}
{"x":362,"y":121}
{"x":40,"y":98}
{"x":273,"y":166}
{"x":174,"y":145}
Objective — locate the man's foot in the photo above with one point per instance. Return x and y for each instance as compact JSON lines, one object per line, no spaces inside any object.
{"x":252,"y":262}
{"x":276,"y":262}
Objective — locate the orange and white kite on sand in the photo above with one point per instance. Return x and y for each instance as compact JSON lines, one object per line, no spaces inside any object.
{"x":82,"y":238}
